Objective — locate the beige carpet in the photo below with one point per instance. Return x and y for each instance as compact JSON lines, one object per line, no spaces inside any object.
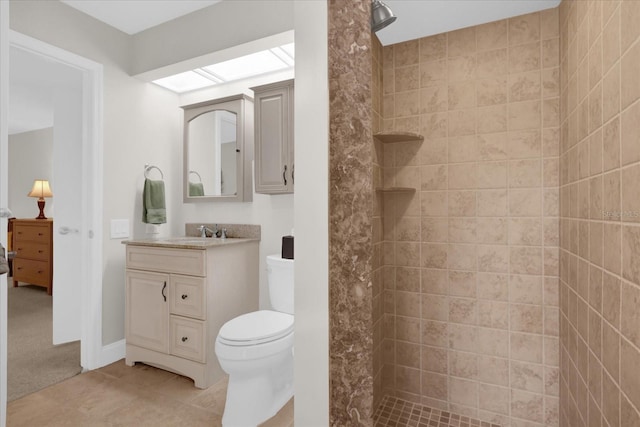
{"x":33,"y":362}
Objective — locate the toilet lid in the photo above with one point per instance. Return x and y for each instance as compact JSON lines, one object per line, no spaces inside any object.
{"x":257,"y":327}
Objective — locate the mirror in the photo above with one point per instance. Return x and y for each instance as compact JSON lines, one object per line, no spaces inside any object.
{"x":216,"y":150}
{"x":212,"y":154}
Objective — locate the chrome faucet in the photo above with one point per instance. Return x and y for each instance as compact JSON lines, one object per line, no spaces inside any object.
{"x":203,"y":231}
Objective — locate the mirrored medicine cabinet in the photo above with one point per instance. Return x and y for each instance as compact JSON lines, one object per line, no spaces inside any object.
{"x":218,"y":150}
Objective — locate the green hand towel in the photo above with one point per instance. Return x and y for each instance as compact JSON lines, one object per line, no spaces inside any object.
{"x":153,"y":205}
{"x":196,"y":189}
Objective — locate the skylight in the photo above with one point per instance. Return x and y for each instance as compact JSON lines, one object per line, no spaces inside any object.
{"x":255,"y":64}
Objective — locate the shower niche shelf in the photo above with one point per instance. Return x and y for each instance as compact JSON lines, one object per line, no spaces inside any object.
{"x":405,"y":190}
{"x":393,"y":137}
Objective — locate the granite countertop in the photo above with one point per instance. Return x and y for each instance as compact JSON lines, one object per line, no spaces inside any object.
{"x":189,"y":242}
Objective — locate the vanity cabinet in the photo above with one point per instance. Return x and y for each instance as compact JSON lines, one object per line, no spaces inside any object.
{"x":274,"y":141}
{"x":178,"y":298}
{"x":33,"y":244}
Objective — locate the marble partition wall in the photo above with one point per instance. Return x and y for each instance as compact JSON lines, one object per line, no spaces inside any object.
{"x":350,"y":213}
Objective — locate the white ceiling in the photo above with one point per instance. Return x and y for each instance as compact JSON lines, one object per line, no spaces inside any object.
{"x":421,"y":18}
{"x":30,"y":104}
{"x":133,"y":16}
{"x":416,"y":18}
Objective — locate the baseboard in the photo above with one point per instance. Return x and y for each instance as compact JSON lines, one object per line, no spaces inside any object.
{"x":112,"y":353}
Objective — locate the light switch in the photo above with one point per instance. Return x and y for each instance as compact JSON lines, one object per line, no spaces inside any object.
{"x":119,"y":228}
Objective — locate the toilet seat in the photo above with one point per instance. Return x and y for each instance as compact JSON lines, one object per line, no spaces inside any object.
{"x":254,"y":328}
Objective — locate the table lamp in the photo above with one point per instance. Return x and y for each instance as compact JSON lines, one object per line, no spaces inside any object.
{"x":40,"y":190}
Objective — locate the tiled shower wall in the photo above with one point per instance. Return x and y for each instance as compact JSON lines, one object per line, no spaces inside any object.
{"x":376,"y":275}
{"x":471,"y":259}
{"x":600,"y":213}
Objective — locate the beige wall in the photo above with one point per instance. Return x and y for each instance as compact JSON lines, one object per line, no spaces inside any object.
{"x":471,"y":259}
{"x":600,"y":210}
{"x":311,"y":201}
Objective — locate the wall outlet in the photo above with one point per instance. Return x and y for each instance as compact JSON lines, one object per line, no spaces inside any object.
{"x":119,"y":228}
{"x":152,"y":229}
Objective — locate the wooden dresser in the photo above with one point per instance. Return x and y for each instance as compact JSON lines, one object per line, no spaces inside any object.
{"x":33,"y":244}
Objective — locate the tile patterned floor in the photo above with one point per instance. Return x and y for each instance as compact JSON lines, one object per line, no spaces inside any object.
{"x":400,"y":413}
{"x":119,"y":395}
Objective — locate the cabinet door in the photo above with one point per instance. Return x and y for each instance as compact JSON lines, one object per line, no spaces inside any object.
{"x":291,"y":143}
{"x":273,"y":169}
{"x":147,"y":310}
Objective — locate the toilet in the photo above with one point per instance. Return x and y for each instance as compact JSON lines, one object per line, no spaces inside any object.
{"x":256,"y":350}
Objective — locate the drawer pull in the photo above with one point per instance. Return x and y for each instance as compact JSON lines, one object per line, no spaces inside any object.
{"x":185,"y":296}
{"x":163,"y":288}
{"x":185,"y":339}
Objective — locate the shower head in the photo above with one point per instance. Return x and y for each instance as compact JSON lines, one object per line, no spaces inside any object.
{"x":381,"y":16}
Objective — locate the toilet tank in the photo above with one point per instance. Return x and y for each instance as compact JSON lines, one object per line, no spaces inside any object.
{"x":280,"y":281}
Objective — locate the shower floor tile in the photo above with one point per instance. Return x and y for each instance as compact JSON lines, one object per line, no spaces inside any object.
{"x":394,"y":412}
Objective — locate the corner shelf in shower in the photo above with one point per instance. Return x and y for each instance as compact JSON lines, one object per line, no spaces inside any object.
{"x":393,"y":137}
{"x":405,"y":190}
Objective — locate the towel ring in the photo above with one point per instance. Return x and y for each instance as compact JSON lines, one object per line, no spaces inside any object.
{"x":147,"y":168}
{"x":196,"y":174}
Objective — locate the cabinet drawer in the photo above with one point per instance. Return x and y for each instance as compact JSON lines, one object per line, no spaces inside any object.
{"x":181,"y":261}
{"x":36,"y":251}
{"x":31,"y":233}
{"x":187,"y":296}
{"x":31,"y":271}
{"x":187,"y":338}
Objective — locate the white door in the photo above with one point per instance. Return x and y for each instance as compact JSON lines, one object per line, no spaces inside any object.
{"x":87,"y":269}
{"x":4,"y":176}
{"x":68,"y":208}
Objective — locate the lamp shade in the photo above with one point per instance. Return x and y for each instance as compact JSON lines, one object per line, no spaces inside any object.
{"x":40,"y":189}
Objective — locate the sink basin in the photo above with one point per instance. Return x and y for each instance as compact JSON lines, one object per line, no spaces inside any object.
{"x":189,"y":239}
{"x":193,"y":240}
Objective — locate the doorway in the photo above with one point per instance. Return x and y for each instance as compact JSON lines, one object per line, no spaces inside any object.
{"x":77,"y":236}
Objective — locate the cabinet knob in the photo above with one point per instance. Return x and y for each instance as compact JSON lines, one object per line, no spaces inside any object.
{"x":185,"y":296}
{"x":185,"y":339}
